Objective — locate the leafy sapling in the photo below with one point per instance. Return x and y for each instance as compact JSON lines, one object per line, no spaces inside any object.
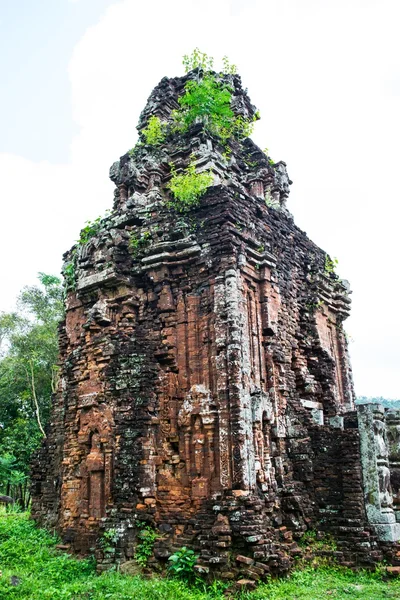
{"x":109,"y":540}
{"x":188,"y":187}
{"x":90,"y":230}
{"x":181,"y":564}
{"x":330,"y":264}
{"x":138,"y":243}
{"x":197,"y":60}
{"x":155,"y":132}
{"x":70,"y":275}
{"x":146,"y":538}
{"x":228,"y":68}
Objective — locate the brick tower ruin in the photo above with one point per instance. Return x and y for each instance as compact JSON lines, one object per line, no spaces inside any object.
{"x":205,"y":384}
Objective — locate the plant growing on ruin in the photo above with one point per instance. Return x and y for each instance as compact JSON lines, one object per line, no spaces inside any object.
{"x":266,"y":152}
{"x":109,"y":540}
{"x":155,"y":132}
{"x":270,"y":202}
{"x":135,"y":150}
{"x":318,"y":541}
{"x":228,"y":68}
{"x":137,"y":243}
{"x":201,"y":60}
{"x":188,"y":187}
{"x":197,"y":60}
{"x":330,"y":264}
{"x":208,"y":101}
{"x":144,"y":549}
{"x":319,"y":549}
{"x":181,"y":564}
{"x":69,"y":273}
{"x":251,"y":163}
{"x":90,"y":230}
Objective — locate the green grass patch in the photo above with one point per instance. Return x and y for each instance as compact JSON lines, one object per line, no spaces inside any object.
{"x":328,"y":582}
{"x":29,"y":559}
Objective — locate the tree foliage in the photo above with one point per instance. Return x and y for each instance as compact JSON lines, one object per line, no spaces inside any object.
{"x":28,"y":373}
{"x":386,"y":402}
{"x":208,"y":99}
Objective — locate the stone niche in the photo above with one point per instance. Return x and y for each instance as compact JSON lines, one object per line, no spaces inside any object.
{"x":205,"y":385}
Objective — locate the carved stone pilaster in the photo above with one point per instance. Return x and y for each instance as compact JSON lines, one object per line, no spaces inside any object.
{"x":393,"y":441}
{"x":376,"y":474}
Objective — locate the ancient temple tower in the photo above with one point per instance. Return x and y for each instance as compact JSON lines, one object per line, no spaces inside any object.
{"x":205,"y":384}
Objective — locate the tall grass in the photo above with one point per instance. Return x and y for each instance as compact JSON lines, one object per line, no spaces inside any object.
{"x":32,"y":568}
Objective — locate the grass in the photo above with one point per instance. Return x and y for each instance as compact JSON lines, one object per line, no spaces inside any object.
{"x":29,"y":559}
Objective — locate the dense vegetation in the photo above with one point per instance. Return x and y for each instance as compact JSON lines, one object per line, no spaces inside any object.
{"x":32,"y":568}
{"x":393,"y":403}
{"x":28,"y":374}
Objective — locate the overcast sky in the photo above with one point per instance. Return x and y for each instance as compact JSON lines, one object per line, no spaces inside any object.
{"x":325,"y":75}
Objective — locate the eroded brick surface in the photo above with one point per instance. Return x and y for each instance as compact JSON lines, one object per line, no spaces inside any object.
{"x":204,"y":374}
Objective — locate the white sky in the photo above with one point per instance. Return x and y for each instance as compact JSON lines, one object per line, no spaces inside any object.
{"x":325,"y":75}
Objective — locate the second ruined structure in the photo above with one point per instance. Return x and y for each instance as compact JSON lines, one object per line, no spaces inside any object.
{"x":205,"y":384}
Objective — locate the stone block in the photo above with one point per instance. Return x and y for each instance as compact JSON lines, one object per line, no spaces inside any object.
{"x":246,"y":584}
{"x":244,"y":560}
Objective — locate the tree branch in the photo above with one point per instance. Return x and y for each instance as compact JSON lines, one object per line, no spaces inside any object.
{"x":54,"y":378}
{"x":35,"y":400}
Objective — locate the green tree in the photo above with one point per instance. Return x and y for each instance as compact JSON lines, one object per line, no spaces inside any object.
{"x":28,"y":373}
